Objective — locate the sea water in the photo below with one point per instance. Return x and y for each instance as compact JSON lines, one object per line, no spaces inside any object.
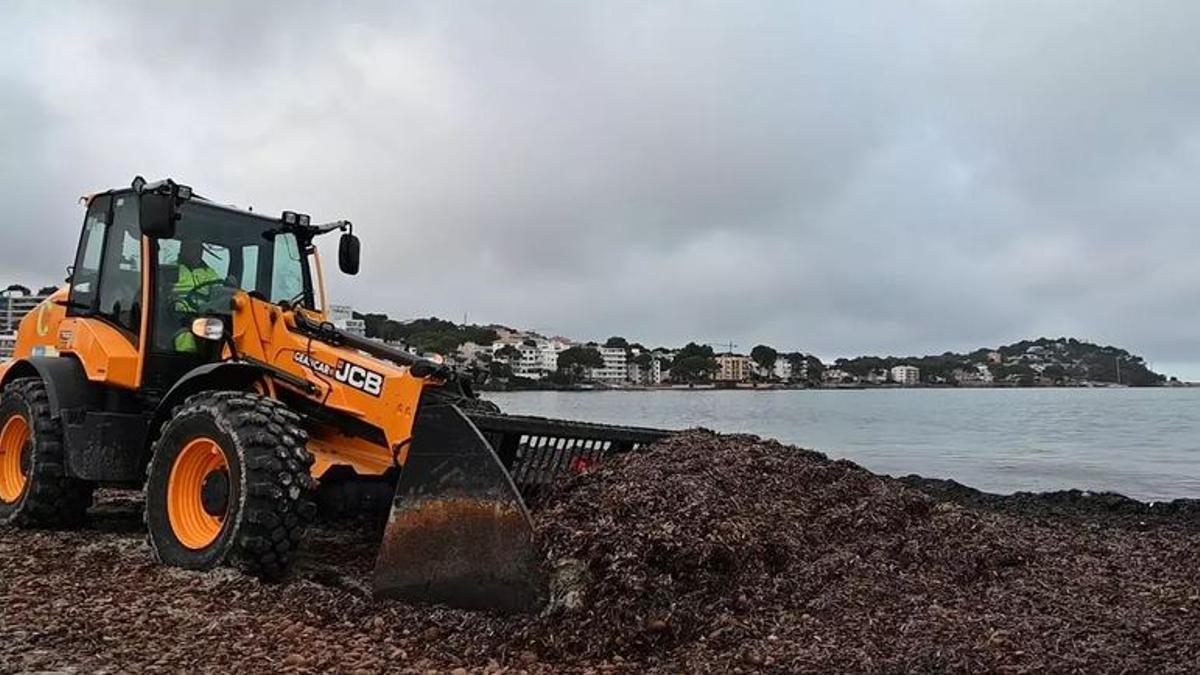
{"x":1144,"y":443}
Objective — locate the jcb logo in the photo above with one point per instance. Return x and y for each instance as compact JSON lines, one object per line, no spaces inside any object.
{"x":360,"y":378}
{"x":347,"y":373}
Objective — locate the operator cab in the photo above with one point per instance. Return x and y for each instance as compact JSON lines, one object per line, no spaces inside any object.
{"x":200,"y":254}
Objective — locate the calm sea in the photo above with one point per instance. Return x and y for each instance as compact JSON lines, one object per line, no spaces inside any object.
{"x":1144,"y":443}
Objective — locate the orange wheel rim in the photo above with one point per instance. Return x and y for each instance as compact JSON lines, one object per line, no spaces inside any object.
{"x":14,"y":449}
{"x":194,"y":505}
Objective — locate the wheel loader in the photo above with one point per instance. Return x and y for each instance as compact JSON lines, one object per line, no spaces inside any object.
{"x":190,"y":355}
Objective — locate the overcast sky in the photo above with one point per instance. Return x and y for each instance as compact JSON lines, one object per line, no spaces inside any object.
{"x":841,"y":177}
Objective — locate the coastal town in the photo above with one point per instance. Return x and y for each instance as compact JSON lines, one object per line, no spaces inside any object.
{"x":508,"y":358}
{"x":524,"y":359}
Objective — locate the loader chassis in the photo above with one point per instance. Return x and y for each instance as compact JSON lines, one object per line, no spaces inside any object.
{"x":228,"y":400}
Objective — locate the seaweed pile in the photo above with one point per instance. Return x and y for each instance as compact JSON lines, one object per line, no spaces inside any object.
{"x":703,"y":553}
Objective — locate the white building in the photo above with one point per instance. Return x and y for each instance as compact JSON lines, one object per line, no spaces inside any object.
{"x":796,"y":372}
{"x":906,"y":375}
{"x":468,"y":353}
{"x":782,"y":370}
{"x":8,"y":344}
{"x":342,"y":317}
{"x":615,"y":366}
{"x":535,"y":359}
{"x":634,"y":373}
{"x":664,"y":358}
{"x":651,"y":374}
{"x":655,"y":373}
{"x":14,"y":306}
{"x":529,"y":363}
{"x":838,"y":376}
{"x":979,"y":374}
{"x":548,"y":352}
{"x":976,"y":375}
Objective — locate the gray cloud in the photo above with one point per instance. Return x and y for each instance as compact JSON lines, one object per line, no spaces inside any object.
{"x":844,"y":178}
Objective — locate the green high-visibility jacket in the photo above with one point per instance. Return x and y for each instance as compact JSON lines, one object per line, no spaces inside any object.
{"x":189,"y":279}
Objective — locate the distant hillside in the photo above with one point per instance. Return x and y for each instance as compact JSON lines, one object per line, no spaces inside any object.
{"x":432,"y":335}
{"x":1042,"y":362}
{"x":1045,"y":361}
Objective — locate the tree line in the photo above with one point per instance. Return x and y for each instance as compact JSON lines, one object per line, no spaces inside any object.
{"x":1069,"y":358}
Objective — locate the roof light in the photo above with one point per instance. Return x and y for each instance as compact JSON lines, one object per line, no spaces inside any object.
{"x":296,"y":219}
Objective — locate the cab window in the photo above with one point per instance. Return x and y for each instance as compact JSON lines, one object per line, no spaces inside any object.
{"x":120,"y":300}
{"x":287,"y":283}
{"x":178,"y":300}
{"x":250,"y":264}
{"x":85,"y":279}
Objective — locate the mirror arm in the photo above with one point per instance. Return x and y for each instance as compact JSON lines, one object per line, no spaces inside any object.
{"x":343,"y":225}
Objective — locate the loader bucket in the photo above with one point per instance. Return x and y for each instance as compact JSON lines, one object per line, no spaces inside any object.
{"x":459,"y":533}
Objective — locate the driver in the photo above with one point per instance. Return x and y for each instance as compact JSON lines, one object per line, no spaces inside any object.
{"x":194,"y":274}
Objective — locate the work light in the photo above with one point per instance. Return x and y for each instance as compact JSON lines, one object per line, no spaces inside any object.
{"x":296,"y":219}
{"x":208,"y":328}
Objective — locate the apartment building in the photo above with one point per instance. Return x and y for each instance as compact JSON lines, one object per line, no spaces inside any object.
{"x":838,"y":376}
{"x":529,"y":363}
{"x":535,"y":358}
{"x":615,"y":368}
{"x":733,"y":368}
{"x":549,"y":351}
{"x":8,"y":343}
{"x":782,"y":370}
{"x":906,"y":375}
{"x":342,"y":317}
{"x":651,"y":374}
{"x":978,"y":375}
{"x":468,"y":352}
{"x":15,"y":303}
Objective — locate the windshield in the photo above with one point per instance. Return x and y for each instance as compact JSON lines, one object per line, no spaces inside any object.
{"x":217,"y":248}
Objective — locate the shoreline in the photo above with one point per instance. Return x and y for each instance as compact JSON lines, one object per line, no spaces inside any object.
{"x":839,"y":387}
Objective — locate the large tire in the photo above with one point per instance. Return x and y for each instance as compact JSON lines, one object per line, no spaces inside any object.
{"x":35,"y":490}
{"x":255,"y":516}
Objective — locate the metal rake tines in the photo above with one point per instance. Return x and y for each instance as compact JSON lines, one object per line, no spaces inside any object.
{"x":541,"y":458}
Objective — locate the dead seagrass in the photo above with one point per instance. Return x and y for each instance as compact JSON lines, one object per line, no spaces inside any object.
{"x":703,"y":553}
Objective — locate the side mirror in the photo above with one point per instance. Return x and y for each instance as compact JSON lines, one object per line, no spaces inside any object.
{"x":158,"y":215}
{"x":349,"y":254}
{"x":159,"y":207}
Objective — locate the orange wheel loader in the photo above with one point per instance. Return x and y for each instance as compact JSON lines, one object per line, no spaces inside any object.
{"x":190,"y":356}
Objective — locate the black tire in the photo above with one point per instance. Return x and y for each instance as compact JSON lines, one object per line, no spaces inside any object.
{"x":50,"y":498}
{"x":269,"y":502}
